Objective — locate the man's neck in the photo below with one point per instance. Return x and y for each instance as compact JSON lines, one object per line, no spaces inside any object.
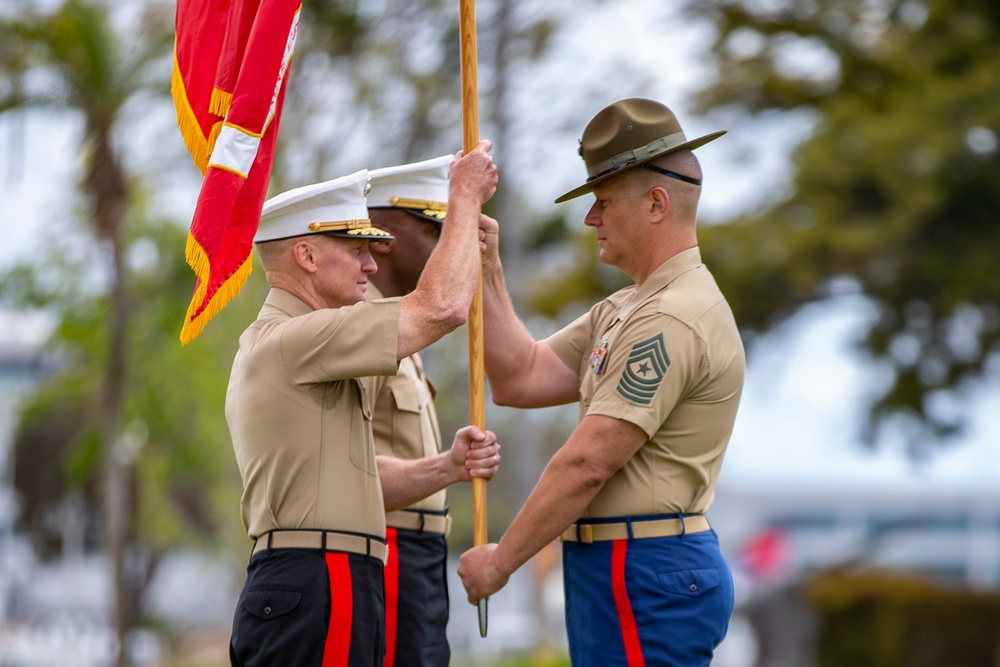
{"x":297,"y":289}
{"x":384,"y":283}
{"x":655,"y":260}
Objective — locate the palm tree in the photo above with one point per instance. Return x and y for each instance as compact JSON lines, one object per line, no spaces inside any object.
{"x":73,"y":59}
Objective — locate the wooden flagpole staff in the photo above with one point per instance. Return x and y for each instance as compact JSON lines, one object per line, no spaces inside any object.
{"x":477,"y":391}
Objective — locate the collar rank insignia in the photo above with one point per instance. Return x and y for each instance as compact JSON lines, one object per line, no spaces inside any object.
{"x":598,"y":354}
{"x":647,"y":365}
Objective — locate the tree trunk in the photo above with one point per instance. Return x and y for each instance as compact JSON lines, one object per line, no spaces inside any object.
{"x":117,"y":503}
{"x":106,"y":184}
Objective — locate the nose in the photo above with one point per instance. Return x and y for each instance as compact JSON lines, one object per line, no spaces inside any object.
{"x":368,"y":264}
{"x":593,"y":218}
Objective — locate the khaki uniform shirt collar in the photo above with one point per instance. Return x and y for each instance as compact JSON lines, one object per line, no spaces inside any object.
{"x":660,"y":278}
{"x":287,"y":303}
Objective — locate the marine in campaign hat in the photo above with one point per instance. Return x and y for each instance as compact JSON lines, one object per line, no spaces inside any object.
{"x":631,"y":133}
{"x":657,"y":368}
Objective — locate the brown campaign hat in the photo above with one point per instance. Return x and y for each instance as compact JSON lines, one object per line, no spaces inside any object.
{"x":627,"y":134}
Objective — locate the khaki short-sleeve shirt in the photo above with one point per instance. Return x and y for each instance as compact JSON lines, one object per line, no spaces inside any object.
{"x":669,"y":359}
{"x":405,"y":423}
{"x":299,"y":408}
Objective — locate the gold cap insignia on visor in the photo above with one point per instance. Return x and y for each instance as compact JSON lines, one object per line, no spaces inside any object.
{"x":335,"y":208}
{"x":432,"y":209}
{"x":352,"y":227}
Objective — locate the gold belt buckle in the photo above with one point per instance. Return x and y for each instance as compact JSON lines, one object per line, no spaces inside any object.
{"x":586,"y":533}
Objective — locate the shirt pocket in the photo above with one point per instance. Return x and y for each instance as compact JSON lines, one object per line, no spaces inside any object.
{"x":406,"y":397}
{"x":690,"y":583}
{"x":361,"y":445}
{"x":414,"y":435}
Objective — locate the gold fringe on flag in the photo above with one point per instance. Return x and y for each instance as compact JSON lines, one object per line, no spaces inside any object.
{"x":219,"y":104}
{"x":197,"y":145}
{"x":198,"y":261}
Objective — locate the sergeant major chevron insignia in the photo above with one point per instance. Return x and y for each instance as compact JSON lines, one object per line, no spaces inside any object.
{"x":647,"y":364}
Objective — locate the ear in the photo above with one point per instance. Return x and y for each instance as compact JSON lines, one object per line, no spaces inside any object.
{"x":305,"y":255}
{"x":382,"y":248}
{"x":659,"y":203}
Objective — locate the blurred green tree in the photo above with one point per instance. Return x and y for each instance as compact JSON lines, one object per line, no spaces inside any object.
{"x":895,"y":194}
{"x":75,"y":59}
{"x":183,"y":485}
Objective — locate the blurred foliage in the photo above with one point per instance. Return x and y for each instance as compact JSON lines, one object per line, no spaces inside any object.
{"x":536,"y":658}
{"x":870,"y":619}
{"x":76,"y":59}
{"x":185,"y":485}
{"x":895,"y":194}
{"x":381,"y":82}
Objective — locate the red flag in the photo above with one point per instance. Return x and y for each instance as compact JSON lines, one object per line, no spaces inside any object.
{"x":231,"y":61}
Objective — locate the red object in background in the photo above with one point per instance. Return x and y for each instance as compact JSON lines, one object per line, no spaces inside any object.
{"x":766,"y":553}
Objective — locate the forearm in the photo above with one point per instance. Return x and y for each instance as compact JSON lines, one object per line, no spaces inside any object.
{"x":440,"y":303}
{"x":508,"y":345}
{"x":561,"y":496}
{"x":449,"y":278}
{"x":598,"y":448}
{"x":522,"y":372}
{"x":406,"y":482}
{"x":473,"y":453}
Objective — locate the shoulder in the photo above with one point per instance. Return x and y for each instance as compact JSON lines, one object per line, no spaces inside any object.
{"x":691,"y":297}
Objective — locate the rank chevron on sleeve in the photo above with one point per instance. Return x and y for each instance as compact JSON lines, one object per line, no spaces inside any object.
{"x":647,"y":365}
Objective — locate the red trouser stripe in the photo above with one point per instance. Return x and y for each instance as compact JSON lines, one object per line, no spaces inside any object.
{"x":391,"y":573}
{"x":337,"y":650}
{"x":630,"y":633}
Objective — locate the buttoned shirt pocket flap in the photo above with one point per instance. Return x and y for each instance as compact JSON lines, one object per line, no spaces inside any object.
{"x":406,"y":396}
{"x":268,"y":603}
{"x":690,"y":583}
